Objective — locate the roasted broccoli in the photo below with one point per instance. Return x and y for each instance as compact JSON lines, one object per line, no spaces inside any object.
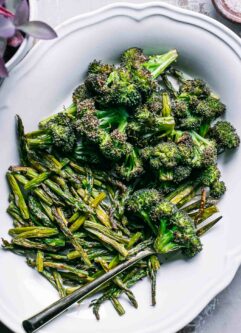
{"x":210,"y":108}
{"x":87,"y":153}
{"x":165,"y":154}
{"x":205,"y":151}
{"x":141,"y":202}
{"x":224,"y":135}
{"x":57,"y":132}
{"x":129,"y":84}
{"x":114,"y":145}
{"x":194,"y":87}
{"x":177,"y":232}
{"x":175,"y":175}
{"x":131,"y":167}
{"x":217,"y":189}
{"x":209,"y":175}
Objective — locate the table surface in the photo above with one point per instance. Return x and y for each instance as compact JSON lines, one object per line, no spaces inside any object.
{"x":222,"y":314}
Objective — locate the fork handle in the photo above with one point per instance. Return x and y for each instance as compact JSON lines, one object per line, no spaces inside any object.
{"x":55,"y":309}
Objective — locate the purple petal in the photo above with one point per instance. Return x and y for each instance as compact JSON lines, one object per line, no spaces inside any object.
{"x":7,"y":28}
{"x":5,"y":12}
{"x":11,"y":5}
{"x":16,"y":40}
{"x":3,"y":69}
{"x":2,"y":2}
{"x":2,"y":46}
{"x":38,"y":30}
{"x":22,"y":13}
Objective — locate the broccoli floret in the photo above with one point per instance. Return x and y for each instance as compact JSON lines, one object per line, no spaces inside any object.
{"x":217,"y":189}
{"x":209,"y":175}
{"x":87,"y":105}
{"x":80,"y":94}
{"x":140,"y":204}
{"x":185,"y":145}
{"x":153,"y":126}
{"x":184,"y":107}
{"x":195,"y":150}
{"x":114,"y":145}
{"x":194,"y":87}
{"x":97,"y":67}
{"x":176,"y":175}
{"x":191,"y":122}
{"x":180,"y":108}
{"x":210,"y":108}
{"x":131,"y":83}
{"x":88,"y":153}
{"x":114,"y":88}
{"x":205,"y":151}
{"x":88,"y":125}
{"x":104,"y":128}
{"x":225,"y":135}
{"x":154,"y":103}
{"x":165,"y":154}
{"x":163,"y":209}
{"x":133,"y":58}
{"x":58,"y":132}
{"x":131,"y":167}
{"x":184,"y":117}
{"x":177,"y":232}
{"x":124,"y":91}
{"x":134,"y":131}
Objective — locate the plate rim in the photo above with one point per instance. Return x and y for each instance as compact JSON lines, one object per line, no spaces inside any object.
{"x":140,"y":12}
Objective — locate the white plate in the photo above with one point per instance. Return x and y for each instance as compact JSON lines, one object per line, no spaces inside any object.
{"x":43,"y":82}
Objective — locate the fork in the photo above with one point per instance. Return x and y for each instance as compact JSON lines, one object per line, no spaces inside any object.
{"x":55,"y":309}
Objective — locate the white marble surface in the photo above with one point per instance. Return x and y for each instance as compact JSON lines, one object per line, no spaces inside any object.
{"x":222,"y":315}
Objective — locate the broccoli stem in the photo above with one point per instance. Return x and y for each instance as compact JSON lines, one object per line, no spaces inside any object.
{"x":166,"y":105}
{"x":71,"y":110}
{"x":157,"y":64}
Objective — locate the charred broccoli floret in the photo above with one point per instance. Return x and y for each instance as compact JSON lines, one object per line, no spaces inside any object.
{"x":176,"y":174}
{"x":180,"y":108}
{"x":131,"y":167}
{"x":134,"y":58}
{"x":185,"y":144}
{"x":165,"y":154}
{"x":209,"y":175}
{"x":97,"y":67}
{"x":80,"y":94}
{"x":194,"y":87}
{"x":155,"y":103}
{"x":163,"y":209}
{"x":88,"y":153}
{"x":114,"y":145}
{"x":217,"y":189}
{"x":225,"y":135}
{"x":131,"y":83}
{"x":191,"y":122}
{"x":140,"y":204}
{"x":153,"y":126}
{"x":58,"y":132}
{"x":205,"y":151}
{"x":177,"y":232}
{"x":195,"y":150}
{"x":210,"y":108}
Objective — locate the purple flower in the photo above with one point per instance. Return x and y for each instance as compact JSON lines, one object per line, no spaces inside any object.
{"x":14,"y":20}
